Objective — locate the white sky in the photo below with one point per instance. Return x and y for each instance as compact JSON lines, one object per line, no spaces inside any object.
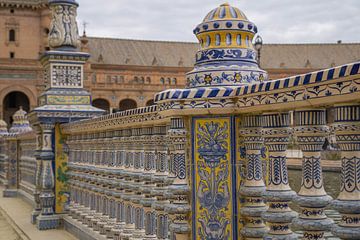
{"x":278,"y":21}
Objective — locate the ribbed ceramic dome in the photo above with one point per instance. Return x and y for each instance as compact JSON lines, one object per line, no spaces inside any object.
{"x":21,"y":123}
{"x":227,"y":56}
{"x":225,"y":12}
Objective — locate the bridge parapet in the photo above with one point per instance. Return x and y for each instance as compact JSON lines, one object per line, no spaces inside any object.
{"x":206,"y":162}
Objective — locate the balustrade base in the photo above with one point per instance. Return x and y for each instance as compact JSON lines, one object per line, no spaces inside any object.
{"x":34,"y":215}
{"x":346,"y":233}
{"x":46,"y":222}
{"x":10,"y":193}
{"x":313,"y":224}
{"x":282,"y":237}
{"x":81,"y":231}
{"x":253,"y":233}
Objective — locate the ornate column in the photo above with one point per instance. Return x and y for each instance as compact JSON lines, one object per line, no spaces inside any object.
{"x":38,"y":171}
{"x":161,"y":180}
{"x":278,"y":194}
{"x":254,"y":185}
{"x":47,"y":219}
{"x":179,"y":208}
{"x":310,"y":132}
{"x":149,"y":171}
{"x":347,"y":129}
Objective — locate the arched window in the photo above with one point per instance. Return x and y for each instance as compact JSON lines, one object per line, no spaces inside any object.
{"x":247,"y":41}
{"x":174,"y":81}
{"x":162,"y":80}
{"x":148,"y":80}
{"x":217,"y":39}
{"x":238,"y":39}
{"x":12,"y":102}
{"x":127,"y":104}
{"x":150,"y":102}
{"x":168,"y":80}
{"x":102,"y":104}
{"x":12,"y":35}
{"x":142,"y":80}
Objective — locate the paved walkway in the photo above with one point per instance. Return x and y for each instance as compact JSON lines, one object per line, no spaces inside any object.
{"x":15,"y":222}
{"x":6,"y":231}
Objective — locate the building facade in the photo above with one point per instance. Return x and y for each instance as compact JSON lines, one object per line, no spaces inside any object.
{"x":123,"y":73}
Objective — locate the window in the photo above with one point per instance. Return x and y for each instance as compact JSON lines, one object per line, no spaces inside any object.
{"x":12,"y":11}
{"x":12,"y":35}
{"x":12,"y":55}
{"x":148,"y":80}
{"x":174,"y":81}
{"x":162,"y":80}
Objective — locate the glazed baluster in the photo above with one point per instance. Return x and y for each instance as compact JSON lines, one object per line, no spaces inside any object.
{"x":138,"y":183}
{"x":254,"y":185}
{"x":149,"y":171}
{"x":179,"y":208}
{"x":161,"y":180}
{"x":278,"y":194}
{"x":47,"y":219}
{"x":347,"y":129}
{"x":38,"y":172}
{"x":310,"y":132}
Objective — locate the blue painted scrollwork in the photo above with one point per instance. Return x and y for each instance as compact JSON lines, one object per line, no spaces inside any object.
{"x":213,"y":192}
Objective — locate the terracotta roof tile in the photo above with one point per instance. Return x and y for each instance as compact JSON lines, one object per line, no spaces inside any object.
{"x":175,"y":54}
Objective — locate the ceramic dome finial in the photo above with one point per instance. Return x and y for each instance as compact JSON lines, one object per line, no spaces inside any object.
{"x":227,"y":56}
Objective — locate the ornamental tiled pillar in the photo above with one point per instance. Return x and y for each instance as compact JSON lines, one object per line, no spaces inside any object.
{"x":310,"y":132}
{"x":278,"y":194}
{"x":149,"y":171}
{"x":254,"y":185}
{"x":179,"y":208}
{"x":64,"y":99}
{"x":38,"y":171}
{"x":47,"y":219}
{"x":161,"y":180}
{"x":347,"y":129}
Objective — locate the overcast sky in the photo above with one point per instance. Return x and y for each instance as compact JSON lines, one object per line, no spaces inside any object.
{"x":278,"y":21}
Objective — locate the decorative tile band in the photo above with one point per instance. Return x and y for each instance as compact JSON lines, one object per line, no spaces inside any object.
{"x":263,"y":87}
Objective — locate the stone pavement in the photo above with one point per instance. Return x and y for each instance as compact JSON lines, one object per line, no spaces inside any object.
{"x":15,"y":222}
{"x":6,"y":231}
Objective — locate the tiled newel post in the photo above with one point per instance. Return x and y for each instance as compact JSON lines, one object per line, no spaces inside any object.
{"x":47,"y":219}
{"x":179,"y":208}
{"x":63,"y":100}
{"x":278,"y":194}
{"x":254,"y":185}
{"x":38,"y":173}
{"x":310,"y":132}
{"x":347,"y":129}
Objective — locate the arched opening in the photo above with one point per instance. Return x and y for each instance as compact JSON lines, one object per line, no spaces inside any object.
{"x":127,"y":104}
{"x":102,"y":104}
{"x":11,"y":104}
{"x":12,"y":37}
{"x":150,"y":102}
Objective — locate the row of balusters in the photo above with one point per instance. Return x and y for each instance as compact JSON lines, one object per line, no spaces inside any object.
{"x":120,"y":185}
{"x":266,"y":208}
{"x":124,"y":193}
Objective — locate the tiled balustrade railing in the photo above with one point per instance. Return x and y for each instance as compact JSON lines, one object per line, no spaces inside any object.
{"x":127,"y":174}
{"x":192,"y":166}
